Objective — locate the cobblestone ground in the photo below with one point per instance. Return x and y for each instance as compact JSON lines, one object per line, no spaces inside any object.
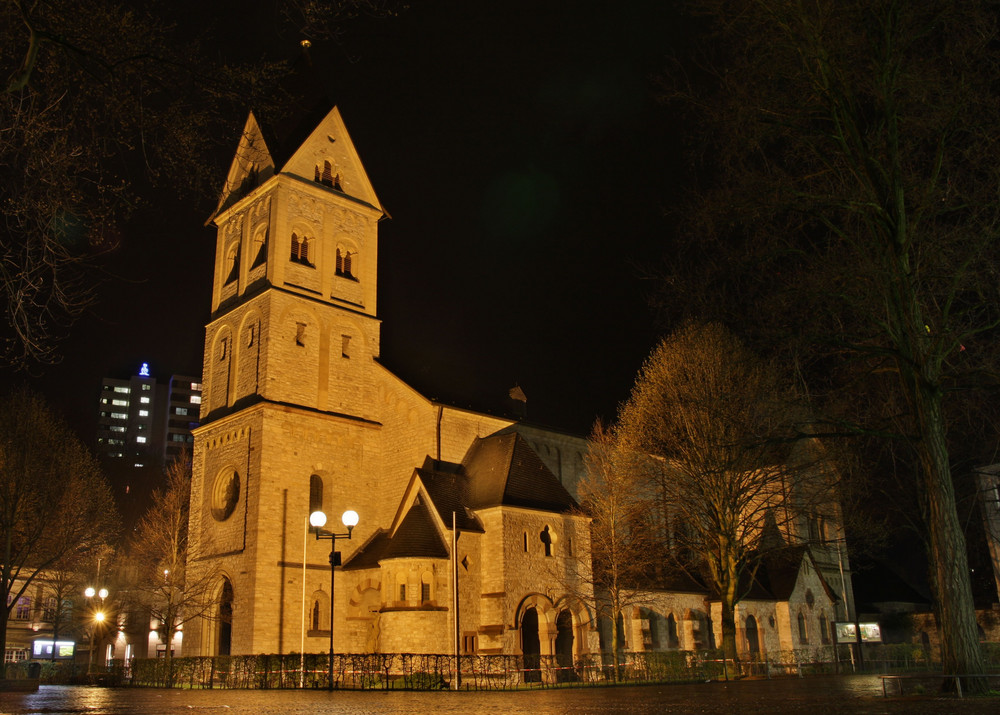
{"x":857,"y":695}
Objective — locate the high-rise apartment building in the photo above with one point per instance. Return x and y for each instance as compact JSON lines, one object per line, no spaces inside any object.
{"x":144,"y":421}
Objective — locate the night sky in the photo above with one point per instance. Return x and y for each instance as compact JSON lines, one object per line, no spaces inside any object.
{"x":525,"y":163}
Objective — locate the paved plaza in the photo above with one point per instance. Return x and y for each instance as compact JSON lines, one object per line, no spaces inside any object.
{"x":857,"y":695}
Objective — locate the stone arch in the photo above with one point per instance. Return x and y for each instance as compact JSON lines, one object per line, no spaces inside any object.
{"x":824,"y":627}
{"x":752,"y":636}
{"x":531,"y":645}
{"x":303,"y":246}
{"x":548,"y":537}
{"x":221,"y":623}
{"x":219,"y":367}
{"x":564,"y":649}
{"x":247,"y":346}
{"x":671,"y":637}
{"x":347,"y":259}
{"x":539,"y":601}
{"x":258,"y":244}
{"x":231,"y":270}
{"x":318,"y":612}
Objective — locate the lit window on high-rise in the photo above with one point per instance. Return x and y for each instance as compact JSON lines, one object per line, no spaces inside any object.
{"x":195,"y":399}
{"x":144,"y":400}
{"x":144,"y":413}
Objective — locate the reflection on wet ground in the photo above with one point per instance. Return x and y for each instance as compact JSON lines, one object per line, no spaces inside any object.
{"x":861,"y":694}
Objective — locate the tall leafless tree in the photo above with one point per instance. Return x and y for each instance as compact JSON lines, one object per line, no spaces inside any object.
{"x":848,"y":163}
{"x":159,"y":556}
{"x":623,"y":557}
{"x":718,"y":435}
{"x":54,"y":502}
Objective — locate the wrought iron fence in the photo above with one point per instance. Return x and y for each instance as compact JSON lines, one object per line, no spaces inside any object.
{"x":404,"y":671}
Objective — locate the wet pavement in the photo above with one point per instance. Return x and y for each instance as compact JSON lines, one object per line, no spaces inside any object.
{"x":858,"y":695}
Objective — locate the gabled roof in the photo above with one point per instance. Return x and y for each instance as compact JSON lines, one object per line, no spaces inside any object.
{"x":447,"y":486}
{"x":503,"y":470}
{"x":779,"y":572}
{"x":415,"y":537}
{"x":499,"y":470}
{"x":263,"y":152}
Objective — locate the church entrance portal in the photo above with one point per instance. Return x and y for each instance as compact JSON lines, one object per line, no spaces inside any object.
{"x":226,"y":618}
{"x":564,"y":647}
{"x":531,"y":647}
{"x":753,"y":643}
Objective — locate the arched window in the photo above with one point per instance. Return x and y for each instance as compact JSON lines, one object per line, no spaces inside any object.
{"x":546,"y":538}
{"x":753,"y":640}
{"x":315,"y":493}
{"x":319,"y":611}
{"x":345,"y":262}
{"x":233,"y":260}
{"x":425,"y":587}
{"x":260,"y":244}
{"x":824,"y":629}
{"x":672,"y":640}
{"x":300,"y":250}
{"x":803,"y":634}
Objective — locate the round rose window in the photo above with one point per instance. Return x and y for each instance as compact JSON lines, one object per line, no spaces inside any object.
{"x":225,"y":494}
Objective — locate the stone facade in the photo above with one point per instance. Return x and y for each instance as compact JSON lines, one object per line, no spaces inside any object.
{"x":298,"y":414}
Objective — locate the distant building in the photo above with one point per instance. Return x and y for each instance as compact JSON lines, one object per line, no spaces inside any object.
{"x":144,"y":422}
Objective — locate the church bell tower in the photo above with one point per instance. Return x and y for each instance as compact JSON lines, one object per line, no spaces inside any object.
{"x":288,"y":399}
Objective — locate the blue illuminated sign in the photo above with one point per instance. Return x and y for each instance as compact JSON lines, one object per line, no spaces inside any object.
{"x":144,"y":370}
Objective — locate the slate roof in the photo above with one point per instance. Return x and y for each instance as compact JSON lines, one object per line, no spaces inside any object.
{"x":499,"y":470}
{"x":416,"y":537}
{"x":503,"y":470}
{"x":776,"y":577}
{"x":447,"y":486}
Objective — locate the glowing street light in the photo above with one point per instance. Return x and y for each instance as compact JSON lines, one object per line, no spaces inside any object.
{"x":99,"y":617}
{"x":318,"y":520}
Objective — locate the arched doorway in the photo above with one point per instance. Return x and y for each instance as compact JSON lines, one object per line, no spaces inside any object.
{"x":531,"y":647}
{"x":225,"y":641}
{"x":564,"y":647}
{"x":753,"y":641}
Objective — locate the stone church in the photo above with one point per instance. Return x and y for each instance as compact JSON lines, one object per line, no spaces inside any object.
{"x":299,"y":414}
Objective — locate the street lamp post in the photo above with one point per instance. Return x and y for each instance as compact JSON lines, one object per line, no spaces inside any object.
{"x":98,"y":617}
{"x":318,"y":520}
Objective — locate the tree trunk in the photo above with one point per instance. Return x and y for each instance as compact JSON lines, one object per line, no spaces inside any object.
{"x":949,"y":567}
{"x":616,"y":613}
{"x":4,"y":617}
{"x":729,"y":632}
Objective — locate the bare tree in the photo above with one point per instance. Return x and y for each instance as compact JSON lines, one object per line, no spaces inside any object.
{"x":623,"y":554}
{"x":54,"y":502}
{"x":849,"y":166}
{"x":159,"y":557}
{"x":101,"y":99}
{"x":714,"y":428}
